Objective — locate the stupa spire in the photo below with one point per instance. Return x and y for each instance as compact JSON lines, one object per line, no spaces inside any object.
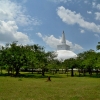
{"x":63,"y":45}
{"x":63,"y":41}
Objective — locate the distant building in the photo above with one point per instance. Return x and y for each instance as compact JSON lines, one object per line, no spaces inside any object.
{"x":63,"y":50}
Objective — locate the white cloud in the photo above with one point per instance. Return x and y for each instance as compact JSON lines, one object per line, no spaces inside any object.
{"x":94,"y":5}
{"x":13,"y":11}
{"x":86,"y":1}
{"x":53,"y":42}
{"x":39,"y":34}
{"x":77,"y":47}
{"x":97,"y":15}
{"x":9,"y":32}
{"x":72,"y":18}
{"x":49,"y":40}
{"x":11,"y":16}
{"x":98,"y":6}
{"x":96,"y":35}
{"x":89,"y":12}
{"x":82,"y":31}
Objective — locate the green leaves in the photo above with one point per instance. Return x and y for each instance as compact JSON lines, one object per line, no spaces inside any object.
{"x":98,"y":46}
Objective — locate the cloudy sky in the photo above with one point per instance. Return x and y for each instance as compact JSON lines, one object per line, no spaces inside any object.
{"x":43,"y":21}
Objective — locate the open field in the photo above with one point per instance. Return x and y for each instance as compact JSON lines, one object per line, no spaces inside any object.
{"x":60,"y":87}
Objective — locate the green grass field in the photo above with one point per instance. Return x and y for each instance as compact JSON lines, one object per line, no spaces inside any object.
{"x":60,"y":87}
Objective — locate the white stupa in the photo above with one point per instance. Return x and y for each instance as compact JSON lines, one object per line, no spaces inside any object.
{"x":63,"y":50}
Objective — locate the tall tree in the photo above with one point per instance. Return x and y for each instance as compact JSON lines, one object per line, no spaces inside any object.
{"x":71,"y":63}
{"x":98,"y":46}
{"x":88,"y":59}
{"x":37,"y":57}
{"x":15,"y":55}
{"x":1,"y":61}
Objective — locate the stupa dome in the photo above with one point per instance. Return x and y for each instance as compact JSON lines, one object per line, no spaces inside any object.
{"x":65,"y":54}
{"x":63,"y":50}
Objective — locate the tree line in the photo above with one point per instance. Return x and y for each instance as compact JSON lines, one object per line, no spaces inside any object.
{"x":14,"y":57}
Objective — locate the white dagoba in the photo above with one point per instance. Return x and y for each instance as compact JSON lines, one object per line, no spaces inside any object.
{"x":63,"y":50}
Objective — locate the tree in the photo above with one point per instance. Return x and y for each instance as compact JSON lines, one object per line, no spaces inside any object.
{"x":15,"y":55}
{"x":31,"y":57}
{"x":1,"y":62}
{"x":98,"y":46}
{"x":71,"y":63}
{"x":88,"y":60}
{"x":44,"y":58}
{"x":3,"y":57}
{"x":37,"y":57}
{"x":80,"y":64}
{"x":53,"y":64}
{"x":97,"y":63}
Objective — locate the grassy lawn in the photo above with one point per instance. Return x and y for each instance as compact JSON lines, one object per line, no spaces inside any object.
{"x":61,"y":87}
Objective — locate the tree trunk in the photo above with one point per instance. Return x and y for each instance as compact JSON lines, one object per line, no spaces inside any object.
{"x":17,"y":71}
{"x":72,"y":72}
{"x":90,"y":71}
{"x":56,"y":71}
{"x":12,"y":71}
{"x":32,"y":70}
{"x":49,"y":79}
{"x":1,"y":69}
{"x":67,"y":72}
{"x":83,"y":72}
{"x":43,"y":71}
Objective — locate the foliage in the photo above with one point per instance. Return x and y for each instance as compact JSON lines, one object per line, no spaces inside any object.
{"x":33,"y":56}
{"x":14,"y":57}
{"x":98,"y":46}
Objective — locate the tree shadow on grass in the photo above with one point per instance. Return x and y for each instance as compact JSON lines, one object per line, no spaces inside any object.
{"x":4,"y":74}
{"x":29,"y":75}
{"x":36,"y":75}
{"x":23,"y":75}
{"x":39,"y":76}
{"x":91,"y":76}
